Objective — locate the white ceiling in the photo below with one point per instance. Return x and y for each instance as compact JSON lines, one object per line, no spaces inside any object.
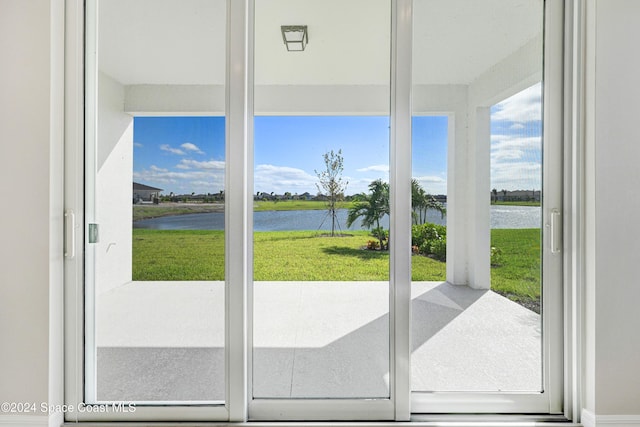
{"x":162,"y":41}
{"x":182,"y":41}
{"x":457,"y":40}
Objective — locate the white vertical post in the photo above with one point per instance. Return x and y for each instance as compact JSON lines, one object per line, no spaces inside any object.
{"x":400,"y":204}
{"x":238,"y":205}
{"x":480,"y":180}
{"x":457,"y":204}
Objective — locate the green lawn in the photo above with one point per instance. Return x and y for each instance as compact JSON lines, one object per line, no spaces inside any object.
{"x":283,"y":255}
{"x":308,"y":255}
{"x":518,"y":276}
{"x":178,"y":255}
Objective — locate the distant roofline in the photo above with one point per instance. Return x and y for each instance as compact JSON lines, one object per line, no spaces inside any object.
{"x":138,"y":186}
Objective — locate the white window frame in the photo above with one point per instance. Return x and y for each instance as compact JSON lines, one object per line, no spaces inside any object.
{"x":564,"y":378}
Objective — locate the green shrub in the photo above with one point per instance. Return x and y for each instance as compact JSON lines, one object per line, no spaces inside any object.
{"x":430,"y":239}
{"x":425,"y":247}
{"x":439,"y":249}
{"x":427,"y":232}
{"x":383,"y":236}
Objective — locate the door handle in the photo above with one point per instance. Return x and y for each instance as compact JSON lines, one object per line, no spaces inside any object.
{"x":69,"y":234}
{"x":555,"y":231}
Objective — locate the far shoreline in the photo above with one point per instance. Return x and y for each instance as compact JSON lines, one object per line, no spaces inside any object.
{"x":149,"y":211}
{"x":163,"y":209}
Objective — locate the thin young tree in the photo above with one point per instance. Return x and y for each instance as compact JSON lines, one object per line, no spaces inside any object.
{"x":332,"y":185}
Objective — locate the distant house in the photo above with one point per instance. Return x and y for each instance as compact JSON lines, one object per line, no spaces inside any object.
{"x":145,"y":193}
{"x":516,"y":196}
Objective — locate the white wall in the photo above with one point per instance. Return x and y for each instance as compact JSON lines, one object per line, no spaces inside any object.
{"x":452,"y":100}
{"x":24,"y":150}
{"x":614,"y":226}
{"x":518,"y":71}
{"x":30,"y":220}
{"x":175,"y":100}
{"x":114,"y":188}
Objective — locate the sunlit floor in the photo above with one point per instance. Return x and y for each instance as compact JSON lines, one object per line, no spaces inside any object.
{"x":164,"y":341}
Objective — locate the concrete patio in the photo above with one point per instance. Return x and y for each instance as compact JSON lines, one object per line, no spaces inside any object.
{"x":164,"y":341}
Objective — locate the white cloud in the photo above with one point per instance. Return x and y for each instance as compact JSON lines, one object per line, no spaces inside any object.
{"x":199,"y":181}
{"x":432,"y":184}
{"x":361,"y":185}
{"x":514,"y":147}
{"x":190,"y":147}
{"x":170,"y":149}
{"x":522,"y":107}
{"x":358,"y":185}
{"x":138,"y":145}
{"x":516,"y":157}
{"x":375,"y":168}
{"x":432,"y":179}
{"x":188,"y":164}
{"x":516,"y":162}
{"x":281,"y":179}
{"x":516,"y":176}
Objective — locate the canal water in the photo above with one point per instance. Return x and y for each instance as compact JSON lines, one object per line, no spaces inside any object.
{"x":501,"y":217}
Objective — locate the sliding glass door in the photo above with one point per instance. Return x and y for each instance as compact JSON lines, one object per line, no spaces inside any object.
{"x":318,"y":210}
{"x":154,"y":204}
{"x":321,"y":216}
{"x":486,"y":290}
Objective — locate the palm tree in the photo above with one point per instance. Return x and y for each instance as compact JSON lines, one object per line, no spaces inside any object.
{"x":372,"y":208}
{"x":421,"y":202}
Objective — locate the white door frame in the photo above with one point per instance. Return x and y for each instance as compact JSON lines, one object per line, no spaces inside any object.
{"x":240,"y":406}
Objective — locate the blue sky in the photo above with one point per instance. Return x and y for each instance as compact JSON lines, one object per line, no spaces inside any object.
{"x":186,"y":154}
{"x":179,"y":154}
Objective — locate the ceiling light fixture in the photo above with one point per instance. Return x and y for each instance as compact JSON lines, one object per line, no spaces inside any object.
{"x":295,"y":37}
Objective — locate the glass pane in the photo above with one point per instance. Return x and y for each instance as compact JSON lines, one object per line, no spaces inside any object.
{"x":321,"y":202}
{"x":480,"y":330}
{"x":159,"y":202}
{"x":516,"y":182}
{"x":429,"y":198}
